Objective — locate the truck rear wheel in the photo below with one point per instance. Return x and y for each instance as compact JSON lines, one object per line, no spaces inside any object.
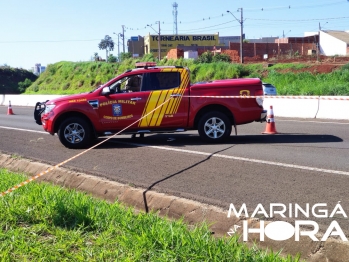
{"x":214,"y":126}
{"x":74,"y":133}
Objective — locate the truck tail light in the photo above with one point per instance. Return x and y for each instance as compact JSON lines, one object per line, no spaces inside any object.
{"x":259,"y":98}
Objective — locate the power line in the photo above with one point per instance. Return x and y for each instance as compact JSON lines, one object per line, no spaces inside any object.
{"x":290,"y":6}
{"x":206,"y":26}
{"x":297,"y":20}
{"x":209,"y":18}
{"x":47,"y":41}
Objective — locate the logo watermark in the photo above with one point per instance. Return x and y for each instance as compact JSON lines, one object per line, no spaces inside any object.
{"x":282,"y":230}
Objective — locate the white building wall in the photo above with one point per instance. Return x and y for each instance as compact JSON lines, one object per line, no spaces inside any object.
{"x":191,"y":54}
{"x":331,"y":46}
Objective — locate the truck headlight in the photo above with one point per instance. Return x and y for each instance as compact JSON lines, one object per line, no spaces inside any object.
{"x":49,"y":108}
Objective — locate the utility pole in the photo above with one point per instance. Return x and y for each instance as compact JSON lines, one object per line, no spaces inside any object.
{"x":283,"y":33}
{"x":123,"y":39}
{"x":241,"y":38}
{"x":241,"y":22}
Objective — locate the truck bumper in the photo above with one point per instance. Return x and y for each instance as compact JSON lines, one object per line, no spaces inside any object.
{"x":39,"y":108}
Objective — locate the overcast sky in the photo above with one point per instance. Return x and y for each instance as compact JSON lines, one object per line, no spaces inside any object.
{"x":50,"y":31}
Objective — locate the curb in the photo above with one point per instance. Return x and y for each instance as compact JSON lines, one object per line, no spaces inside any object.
{"x":175,"y":207}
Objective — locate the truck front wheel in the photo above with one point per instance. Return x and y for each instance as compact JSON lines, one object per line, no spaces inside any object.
{"x":74,"y":133}
{"x":214,"y":127}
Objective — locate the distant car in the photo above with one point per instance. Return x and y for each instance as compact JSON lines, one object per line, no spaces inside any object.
{"x":269,"y":89}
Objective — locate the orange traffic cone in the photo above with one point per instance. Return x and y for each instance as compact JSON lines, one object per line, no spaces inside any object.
{"x":9,"y":109}
{"x":270,"y":128}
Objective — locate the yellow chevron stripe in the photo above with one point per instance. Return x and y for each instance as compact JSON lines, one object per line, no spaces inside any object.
{"x":168,"y":94}
{"x":151,"y":105}
{"x":181,"y":90}
{"x":172,"y":102}
{"x":157,"y":113}
{"x":143,"y":122}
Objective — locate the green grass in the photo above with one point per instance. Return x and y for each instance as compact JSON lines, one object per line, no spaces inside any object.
{"x":42,"y":222}
{"x":335,"y":83}
{"x":77,"y":77}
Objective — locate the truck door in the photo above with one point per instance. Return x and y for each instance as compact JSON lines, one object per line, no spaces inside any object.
{"x":167,"y":85}
{"x":122,"y":107}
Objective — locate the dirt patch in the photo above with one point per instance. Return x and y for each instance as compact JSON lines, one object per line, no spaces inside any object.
{"x":314,"y":69}
{"x":314,"y":64}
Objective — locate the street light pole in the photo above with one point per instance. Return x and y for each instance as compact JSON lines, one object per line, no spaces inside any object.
{"x":118,"y":45}
{"x":159,"y":46}
{"x":241,"y":22}
{"x":320,"y":26}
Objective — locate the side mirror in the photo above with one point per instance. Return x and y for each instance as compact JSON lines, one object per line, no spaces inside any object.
{"x":106,"y":91}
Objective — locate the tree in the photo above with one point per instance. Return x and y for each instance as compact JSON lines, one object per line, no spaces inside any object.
{"x":106,"y":43}
{"x":112,"y":58}
{"x":95,"y":55}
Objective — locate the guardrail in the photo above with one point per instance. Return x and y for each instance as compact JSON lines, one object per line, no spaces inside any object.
{"x":324,"y":107}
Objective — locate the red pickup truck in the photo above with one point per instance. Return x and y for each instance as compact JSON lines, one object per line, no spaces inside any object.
{"x":153,"y":99}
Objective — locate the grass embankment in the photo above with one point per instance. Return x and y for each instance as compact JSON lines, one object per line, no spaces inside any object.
{"x":78,"y":77}
{"x":42,"y":222}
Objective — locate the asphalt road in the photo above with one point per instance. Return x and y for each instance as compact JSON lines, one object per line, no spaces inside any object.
{"x":307,"y":162}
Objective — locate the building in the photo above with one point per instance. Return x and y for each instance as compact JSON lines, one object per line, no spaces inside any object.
{"x":150,"y":43}
{"x":310,"y":39}
{"x":38,"y":69}
{"x":334,"y":42}
{"x":270,"y":39}
{"x":227,"y":39}
{"x":135,"y":46}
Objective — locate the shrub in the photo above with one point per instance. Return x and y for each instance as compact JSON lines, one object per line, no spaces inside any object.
{"x":22,"y":86}
{"x":205,"y":57}
{"x":221,"y":58}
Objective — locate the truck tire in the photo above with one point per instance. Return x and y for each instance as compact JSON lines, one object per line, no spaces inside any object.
{"x":75,"y":133}
{"x":214,"y":127}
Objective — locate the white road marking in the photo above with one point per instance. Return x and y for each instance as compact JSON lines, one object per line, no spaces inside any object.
{"x":309,"y":121}
{"x":266,"y":162}
{"x":26,"y":130}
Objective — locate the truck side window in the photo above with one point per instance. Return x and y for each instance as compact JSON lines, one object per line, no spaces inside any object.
{"x":127,"y":84}
{"x":161,"y":81}
{"x":133,"y":84}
